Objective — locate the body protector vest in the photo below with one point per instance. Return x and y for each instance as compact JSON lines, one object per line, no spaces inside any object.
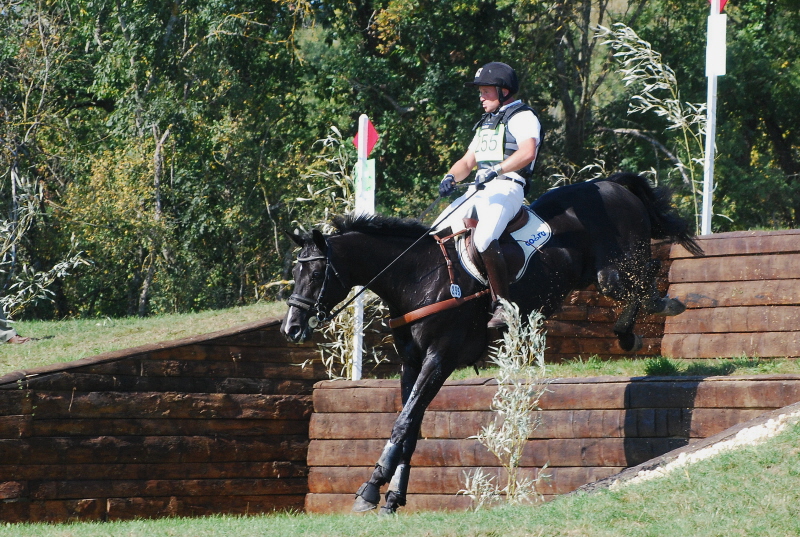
{"x":496,"y":144}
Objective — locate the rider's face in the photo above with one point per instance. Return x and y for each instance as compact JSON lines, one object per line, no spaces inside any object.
{"x":489,"y":98}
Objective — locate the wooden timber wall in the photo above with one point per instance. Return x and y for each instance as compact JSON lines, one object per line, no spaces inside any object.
{"x":591,"y":429}
{"x":214,"y":424}
{"x":743,"y":298}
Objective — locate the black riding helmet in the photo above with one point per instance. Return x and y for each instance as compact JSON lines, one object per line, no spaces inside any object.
{"x":497,"y":74}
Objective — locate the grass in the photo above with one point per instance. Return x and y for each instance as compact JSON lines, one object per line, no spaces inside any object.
{"x":656,"y":366}
{"x":68,"y":340}
{"x":748,"y":491}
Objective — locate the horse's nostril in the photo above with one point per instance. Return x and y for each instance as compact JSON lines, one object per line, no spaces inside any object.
{"x":294,"y":333}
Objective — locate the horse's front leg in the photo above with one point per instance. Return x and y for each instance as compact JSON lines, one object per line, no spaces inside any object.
{"x":395,"y":462}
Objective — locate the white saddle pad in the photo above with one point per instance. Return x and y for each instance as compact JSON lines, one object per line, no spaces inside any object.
{"x":530,"y":237}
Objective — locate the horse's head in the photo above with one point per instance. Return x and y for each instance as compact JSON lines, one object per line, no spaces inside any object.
{"x":317,"y":287}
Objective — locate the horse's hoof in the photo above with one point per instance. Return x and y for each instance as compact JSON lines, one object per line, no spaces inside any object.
{"x":361,"y":505}
{"x":671,"y":307}
{"x":674,"y":307}
{"x":630,"y":342}
{"x":367,"y":498}
{"x":386,"y":511}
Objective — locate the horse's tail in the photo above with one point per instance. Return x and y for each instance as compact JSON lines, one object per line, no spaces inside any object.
{"x":665,"y":223}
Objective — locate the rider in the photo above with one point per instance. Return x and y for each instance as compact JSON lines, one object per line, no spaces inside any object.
{"x":504,"y":147}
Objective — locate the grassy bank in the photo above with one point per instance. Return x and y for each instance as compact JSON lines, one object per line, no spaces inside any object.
{"x":749,"y":491}
{"x":65,"y":341}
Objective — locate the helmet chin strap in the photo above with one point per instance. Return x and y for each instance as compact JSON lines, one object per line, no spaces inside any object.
{"x":500,"y":97}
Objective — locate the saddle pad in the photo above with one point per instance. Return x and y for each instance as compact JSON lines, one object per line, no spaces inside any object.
{"x":529,"y":238}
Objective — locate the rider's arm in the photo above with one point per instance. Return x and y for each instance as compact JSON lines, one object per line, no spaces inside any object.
{"x":520,"y":158}
{"x":463,"y":166}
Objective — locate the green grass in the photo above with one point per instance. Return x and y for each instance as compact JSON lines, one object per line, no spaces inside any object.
{"x":65,"y":341}
{"x":656,"y":366}
{"x":68,"y":340}
{"x":749,"y":491}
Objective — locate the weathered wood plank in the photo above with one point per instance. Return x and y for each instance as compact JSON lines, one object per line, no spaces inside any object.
{"x":765,"y":345}
{"x":281,"y":353}
{"x":559,"y":396}
{"x":15,"y":426}
{"x":736,"y":268}
{"x":449,"y":480}
{"x":15,"y":402}
{"x":206,"y":368}
{"x":446,"y":452}
{"x":122,"y":488}
{"x":93,"y":382}
{"x":597,"y":345}
{"x":592,"y":329}
{"x":757,"y":394}
{"x":85,"y":510}
{"x":152,"y":449}
{"x":736,"y":319}
{"x":95,"y":405}
{"x":744,"y":243}
{"x":644,"y":422}
{"x":730,"y":294}
{"x":193,"y":506}
{"x":185,"y":470}
{"x":163,"y":427}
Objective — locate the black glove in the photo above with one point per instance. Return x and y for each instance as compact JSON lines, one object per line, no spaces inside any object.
{"x":447,"y":186}
{"x":485,"y":175}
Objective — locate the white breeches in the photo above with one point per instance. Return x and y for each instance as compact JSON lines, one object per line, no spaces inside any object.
{"x":495,"y":206}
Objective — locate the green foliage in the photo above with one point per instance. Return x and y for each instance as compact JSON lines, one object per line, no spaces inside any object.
{"x":660,"y":366}
{"x":520,"y":385}
{"x":174,"y":139}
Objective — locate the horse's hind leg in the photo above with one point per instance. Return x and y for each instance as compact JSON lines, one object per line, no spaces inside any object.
{"x":631,"y":285}
{"x":623,"y":329}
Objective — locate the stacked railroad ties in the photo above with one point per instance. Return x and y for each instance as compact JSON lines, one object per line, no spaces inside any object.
{"x":743,"y":299}
{"x":214,"y":424}
{"x":220,"y":423}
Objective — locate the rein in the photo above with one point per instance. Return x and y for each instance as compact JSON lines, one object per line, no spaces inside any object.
{"x":444,"y":305}
{"x":306,"y":304}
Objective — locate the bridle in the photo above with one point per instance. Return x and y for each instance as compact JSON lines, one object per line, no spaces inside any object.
{"x":317,"y":313}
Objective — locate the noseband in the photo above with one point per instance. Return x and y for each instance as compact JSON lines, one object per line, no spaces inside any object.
{"x":317,"y":312}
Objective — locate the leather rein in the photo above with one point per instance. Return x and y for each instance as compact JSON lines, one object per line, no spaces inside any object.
{"x":318,"y":313}
{"x":444,"y":305}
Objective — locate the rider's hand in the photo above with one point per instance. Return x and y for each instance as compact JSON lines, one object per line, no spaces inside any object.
{"x":487,"y":174}
{"x":447,"y":185}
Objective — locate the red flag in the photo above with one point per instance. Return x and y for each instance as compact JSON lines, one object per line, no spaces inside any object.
{"x":372,"y":137}
{"x":721,"y":4}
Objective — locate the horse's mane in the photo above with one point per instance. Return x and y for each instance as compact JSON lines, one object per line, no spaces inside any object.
{"x":375,"y":224}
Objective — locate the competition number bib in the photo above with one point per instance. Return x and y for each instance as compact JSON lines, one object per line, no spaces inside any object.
{"x":489,"y":147}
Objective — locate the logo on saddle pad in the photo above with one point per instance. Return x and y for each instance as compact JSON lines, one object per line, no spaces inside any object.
{"x":529,"y":239}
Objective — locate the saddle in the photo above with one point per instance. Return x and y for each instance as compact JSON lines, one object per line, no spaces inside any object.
{"x":525,"y":234}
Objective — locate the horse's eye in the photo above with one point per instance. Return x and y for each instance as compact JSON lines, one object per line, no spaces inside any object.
{"x":316,"y":275}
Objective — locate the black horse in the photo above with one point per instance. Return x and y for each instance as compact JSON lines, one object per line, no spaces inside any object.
{"x":601,"y":232}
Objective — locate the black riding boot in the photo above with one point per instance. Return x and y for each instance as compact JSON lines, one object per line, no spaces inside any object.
{"x":497,"y":274}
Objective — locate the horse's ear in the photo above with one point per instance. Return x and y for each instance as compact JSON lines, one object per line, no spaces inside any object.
{"x":319,"y":240}
{"x":298,"y":240}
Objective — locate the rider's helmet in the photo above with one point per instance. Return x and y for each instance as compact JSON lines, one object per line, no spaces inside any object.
{"x":497,"y":74}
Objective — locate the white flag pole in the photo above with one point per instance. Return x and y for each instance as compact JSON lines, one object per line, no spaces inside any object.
{"x":715,"y":66}
{"x":362,"y":206}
